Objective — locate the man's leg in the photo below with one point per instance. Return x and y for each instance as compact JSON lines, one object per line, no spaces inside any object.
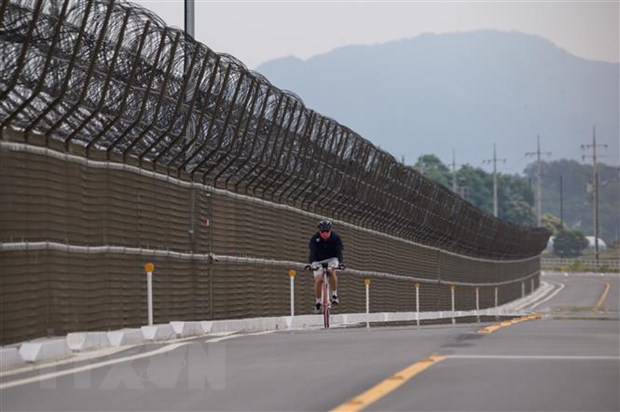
{"x":333,"y":280}
{"x":333,"y":284}
{"x":318,"y":283}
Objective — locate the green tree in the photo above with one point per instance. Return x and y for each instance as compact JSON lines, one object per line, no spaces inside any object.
{"x":552,"y":223}
{"x":569,"y":243}
{"x":476,"y":186}
{"x":433,"y":168}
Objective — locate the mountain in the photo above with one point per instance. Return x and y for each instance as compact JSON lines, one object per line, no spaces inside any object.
{"x":463,"y":91}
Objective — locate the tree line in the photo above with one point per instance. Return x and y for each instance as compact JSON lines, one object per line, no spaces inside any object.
{"x":567,"y":194}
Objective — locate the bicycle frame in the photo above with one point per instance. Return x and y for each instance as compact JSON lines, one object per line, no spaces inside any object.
{"x":326,"y":303}
{"x":325,"y":298}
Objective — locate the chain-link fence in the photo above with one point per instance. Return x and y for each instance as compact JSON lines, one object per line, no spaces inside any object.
{"x":123,"y":140}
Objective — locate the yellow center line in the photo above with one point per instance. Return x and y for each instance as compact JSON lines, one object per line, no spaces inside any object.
{"x":503,"y":324}
{"x":603,"y":297}
{"x":386,"y":386}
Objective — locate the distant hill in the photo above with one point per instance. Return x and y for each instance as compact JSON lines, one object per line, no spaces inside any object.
{"x":433,"y":93}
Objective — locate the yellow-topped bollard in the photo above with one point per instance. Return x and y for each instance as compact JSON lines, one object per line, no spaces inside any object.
{"x":149,"y":268}
{"x":367,"y":281}
{"x":291,"y":275}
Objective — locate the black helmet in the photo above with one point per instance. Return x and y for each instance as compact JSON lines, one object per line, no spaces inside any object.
{"x":324,"y":225}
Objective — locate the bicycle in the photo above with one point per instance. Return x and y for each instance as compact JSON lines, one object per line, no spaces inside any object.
{"x":326,"y":304}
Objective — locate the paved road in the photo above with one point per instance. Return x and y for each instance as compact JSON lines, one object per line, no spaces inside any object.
{"x":569,"y":361}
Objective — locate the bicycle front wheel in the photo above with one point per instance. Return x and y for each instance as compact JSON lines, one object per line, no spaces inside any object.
{"x":325,"y":305}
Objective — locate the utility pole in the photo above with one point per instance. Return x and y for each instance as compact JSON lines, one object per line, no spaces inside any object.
{"x":189,"y":25}
{"x":189,"y":17}
{"x":494,"y":160}
{"x":561,"y":202}
{"x":594,"y":190}
{"x":538,"y":180}
{"x":453,"y":173}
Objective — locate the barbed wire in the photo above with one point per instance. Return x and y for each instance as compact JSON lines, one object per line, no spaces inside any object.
{"x":105,"y":76}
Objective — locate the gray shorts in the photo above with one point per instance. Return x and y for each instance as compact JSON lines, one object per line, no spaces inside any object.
{"x":332,"y":263}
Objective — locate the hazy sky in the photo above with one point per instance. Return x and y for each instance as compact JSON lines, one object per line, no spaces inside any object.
{"x":255,"y":31}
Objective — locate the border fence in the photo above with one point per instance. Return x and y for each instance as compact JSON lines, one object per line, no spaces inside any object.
{"x":125,"y":140}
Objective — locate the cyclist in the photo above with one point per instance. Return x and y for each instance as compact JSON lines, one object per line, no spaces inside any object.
{"x":325,"y":244}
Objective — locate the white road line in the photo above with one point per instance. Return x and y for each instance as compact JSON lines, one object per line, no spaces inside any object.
{"x":84,"y":368}
{"x":533,"y":357}
{"x":167,"y":348}
{"x":550,"y":296}
{"x":232,"y":336}
{"x":544,"y":289}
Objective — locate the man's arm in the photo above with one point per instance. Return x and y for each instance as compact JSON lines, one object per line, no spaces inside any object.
{"x":312,"y":247}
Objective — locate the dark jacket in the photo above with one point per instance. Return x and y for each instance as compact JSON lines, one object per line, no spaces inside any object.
{"x":325,"y":249}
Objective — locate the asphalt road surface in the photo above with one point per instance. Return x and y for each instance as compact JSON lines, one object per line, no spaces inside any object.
{"x":568,"y":360}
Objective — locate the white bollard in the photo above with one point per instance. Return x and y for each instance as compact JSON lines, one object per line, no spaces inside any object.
{"x":496,"y":302}
{"x":417,"y":303}
{"x":149,"y":268}
{"x":367,"y":283}
{"x":478,"y":303}
{"x":452,"y":287}
{"x":291,"y":274}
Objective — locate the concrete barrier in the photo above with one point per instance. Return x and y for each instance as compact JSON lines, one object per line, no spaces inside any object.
{"x":158,"y":332}
{"x":400,"y":317}
{"x":304,"y":321}
{"x":187,"y":329}
{"x":45,"y":349}
{"x":248,"y":325}
{"x":9,"y":358}
{"x":125,"y":337}
{"x":355,"y":318}
{"x":206,"y":326}
{"x":83,"y":341}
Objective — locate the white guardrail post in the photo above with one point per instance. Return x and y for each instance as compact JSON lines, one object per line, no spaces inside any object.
{"x":367,"y":283}
{"x":291,"y":274}
{"x":149,"y":268}
{"x":417,"y":304}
